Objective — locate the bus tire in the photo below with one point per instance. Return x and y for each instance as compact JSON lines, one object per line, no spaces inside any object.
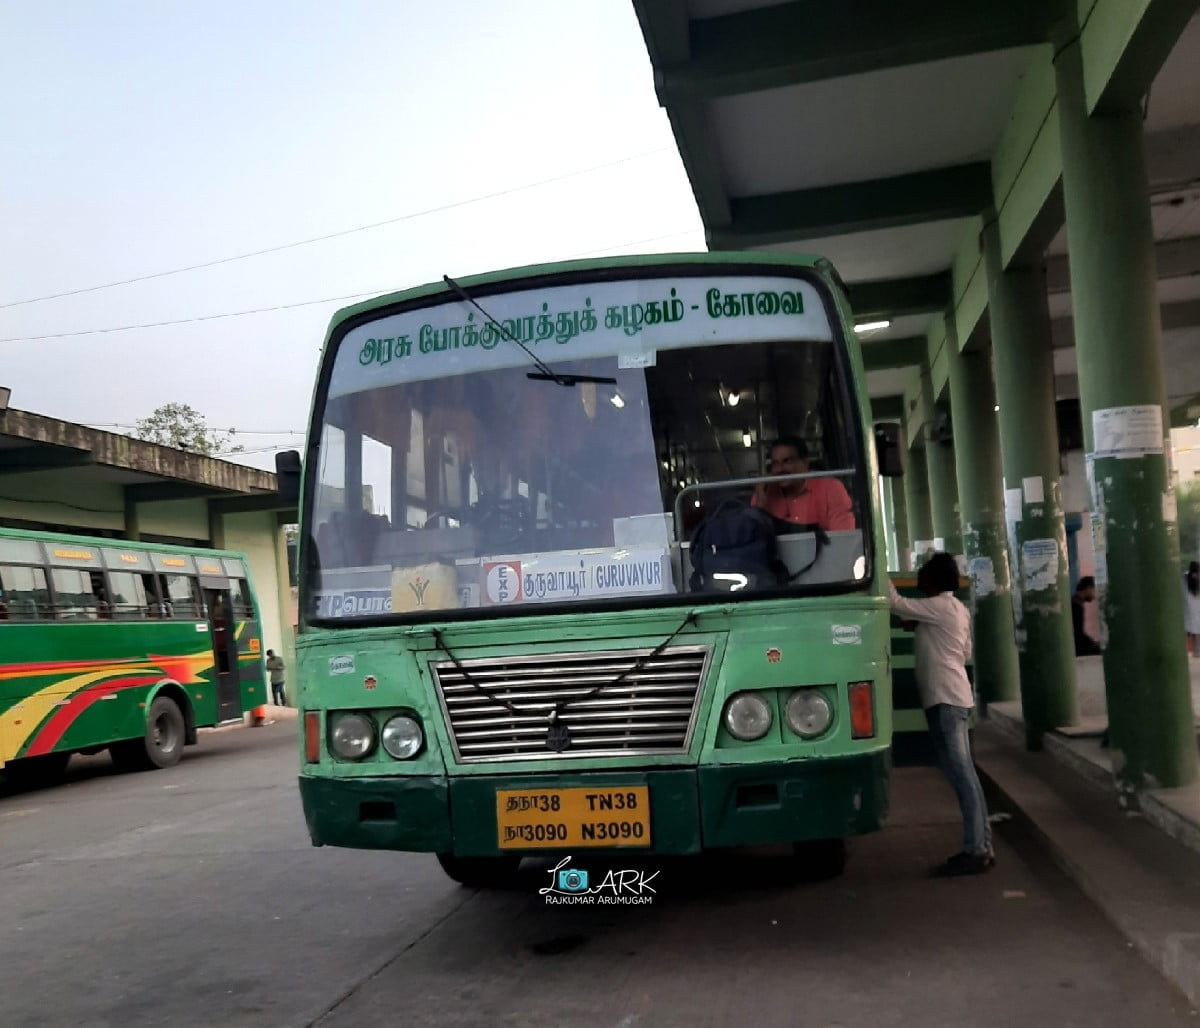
{"x":818,"y":860}
{"x":162,"y":745}
{"x":36,"y":772}
{"x":480,"y":872}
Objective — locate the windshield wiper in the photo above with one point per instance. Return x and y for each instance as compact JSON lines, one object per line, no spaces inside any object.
{"x":544,"y":373}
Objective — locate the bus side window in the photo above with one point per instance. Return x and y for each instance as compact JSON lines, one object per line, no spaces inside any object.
{"x":153,"y":588}
{"x":240,"y":594}
{"x":100,"y":592}
{"x":183,"y":597}
{"x":73,"y":596}
{"x":128,"y":594}
{"x":24,"y":592}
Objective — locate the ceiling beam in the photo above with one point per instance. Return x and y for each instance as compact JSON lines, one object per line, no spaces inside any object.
{"x":894,"y":353}
{"x":1171,"y":158}
{"x":19,"y":460}
{"x":898,"y":297}
{"x":665,"y":28}
{"x":792,"y":43}
{"x":1184,"y":314}
{"x":1173,"y":258}
{"x":937,"y":195}
{"x":249,"y":504}
{"x":1124,"y":47}
{"x":155,"y":492}
{"x":887,"y":408}
{"x":697,"y":143}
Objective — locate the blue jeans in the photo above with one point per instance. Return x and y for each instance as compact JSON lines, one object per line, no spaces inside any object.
{"x":951,"y":745}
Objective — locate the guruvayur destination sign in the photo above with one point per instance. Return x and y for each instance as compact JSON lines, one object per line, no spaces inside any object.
{"x":628,"y":319}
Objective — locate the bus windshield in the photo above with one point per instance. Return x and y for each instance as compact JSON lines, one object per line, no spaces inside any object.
{"x":559,"y":445}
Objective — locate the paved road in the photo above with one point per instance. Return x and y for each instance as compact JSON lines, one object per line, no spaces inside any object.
{"x":191,"y":897}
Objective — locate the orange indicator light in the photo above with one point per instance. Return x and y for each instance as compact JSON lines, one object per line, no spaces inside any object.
{"x":312,"y":736}
{"x":862,"y":710}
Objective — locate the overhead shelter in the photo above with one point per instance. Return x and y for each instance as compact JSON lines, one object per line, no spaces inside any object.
{"x":1014,"y":187}
{"x":60,"y":476}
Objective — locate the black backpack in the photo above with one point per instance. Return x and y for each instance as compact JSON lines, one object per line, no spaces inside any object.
{"x":735,"y":540}
{"x":739,"y":540}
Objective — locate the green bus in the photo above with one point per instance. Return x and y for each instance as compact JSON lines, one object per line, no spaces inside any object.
{"x":504,"y":650}
{"x":119,"y":645}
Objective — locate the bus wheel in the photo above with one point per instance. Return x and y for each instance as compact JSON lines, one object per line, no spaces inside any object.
{"x":480,"y":872}
{"x":162,"y":745}
{"x":35,"y":772}
{"x":820,"y":859}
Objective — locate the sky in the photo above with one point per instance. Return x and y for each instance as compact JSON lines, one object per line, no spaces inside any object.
{"x":146,"y":137}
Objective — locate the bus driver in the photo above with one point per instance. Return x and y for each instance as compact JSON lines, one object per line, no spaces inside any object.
{"x":811,"y":501}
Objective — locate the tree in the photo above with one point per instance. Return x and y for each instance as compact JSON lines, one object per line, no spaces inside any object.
{"x":185,"y":428}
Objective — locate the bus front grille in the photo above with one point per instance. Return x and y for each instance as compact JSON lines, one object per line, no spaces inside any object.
{"x":617,"y":703}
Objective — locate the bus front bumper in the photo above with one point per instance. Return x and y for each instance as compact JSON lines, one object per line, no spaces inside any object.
{"x":691,"y":808}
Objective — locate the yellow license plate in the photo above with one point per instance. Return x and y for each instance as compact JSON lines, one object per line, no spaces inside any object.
{"x":617,"y":816}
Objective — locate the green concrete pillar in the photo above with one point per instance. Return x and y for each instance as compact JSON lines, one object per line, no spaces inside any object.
{"x":1118,"y":338}
{"x":1024,"y":374}
{"x":981,"y":506}
{"x":899,"y":524}
{"x":916,"y":502}
{"x":943,"y":495}
{"x":133,"y":525}
{"x":216,"y":527}
{"x":889,"y":522}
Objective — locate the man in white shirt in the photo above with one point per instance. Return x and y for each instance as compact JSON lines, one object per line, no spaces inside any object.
{"x":942,"y":648}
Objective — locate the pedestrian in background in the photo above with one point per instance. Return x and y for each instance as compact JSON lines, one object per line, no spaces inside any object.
{"x":1191,"y":607}
{"x":942,"y":649}
{"x":275,"y":668}
{"x":1085,"y":593}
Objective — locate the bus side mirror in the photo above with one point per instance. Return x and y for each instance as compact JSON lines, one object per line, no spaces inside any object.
{"x":888,"y":453}
{"x":287,"y":475}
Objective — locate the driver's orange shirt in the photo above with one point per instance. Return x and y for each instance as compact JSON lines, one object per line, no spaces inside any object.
{"x":823,"y":502}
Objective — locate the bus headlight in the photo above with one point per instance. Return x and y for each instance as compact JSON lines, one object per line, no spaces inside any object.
{"x":402,"y":737}
{"x":808,"y":713}
{"x":353,"y":736}
{"x":748,"y":716}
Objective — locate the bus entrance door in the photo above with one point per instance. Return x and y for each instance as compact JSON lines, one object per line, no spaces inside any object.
{"x":225,"y":660}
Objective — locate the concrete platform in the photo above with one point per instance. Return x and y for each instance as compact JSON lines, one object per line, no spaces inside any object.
{"x":1142,"y":869}
{"x":1175,"y":811}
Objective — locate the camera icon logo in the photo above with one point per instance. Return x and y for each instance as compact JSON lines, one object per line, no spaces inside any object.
{"x":572,"y":879}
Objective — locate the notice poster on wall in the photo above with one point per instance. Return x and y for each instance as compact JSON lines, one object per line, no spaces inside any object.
{"x":1039,"y":564}
{"x":983,"y":576}
{"x":1100,"y":548}
{"x":1127,"y":432}
{"x":1013,"y":508}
